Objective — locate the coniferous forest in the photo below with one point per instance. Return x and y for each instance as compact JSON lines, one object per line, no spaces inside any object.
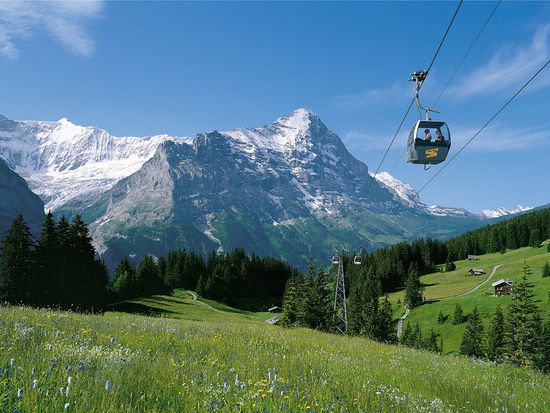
{"x":61,"y":268}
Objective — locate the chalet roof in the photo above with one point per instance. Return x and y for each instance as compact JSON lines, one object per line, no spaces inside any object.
{"x":477,"y":269}
{"x":501,"y":282}
{"x":274,"y":308}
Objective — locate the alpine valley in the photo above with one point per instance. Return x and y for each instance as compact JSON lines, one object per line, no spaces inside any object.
{"x":289,"y":189}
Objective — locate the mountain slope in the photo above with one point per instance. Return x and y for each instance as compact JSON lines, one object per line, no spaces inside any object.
{"x":16,"y":198}
{"x":289,"y":189}
{"x":63,"y":162}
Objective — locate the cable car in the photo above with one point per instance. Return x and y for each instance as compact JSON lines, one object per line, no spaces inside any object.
{"x":357,"y":260}
{"x":429,"y":140}
{"x":335,"y":260}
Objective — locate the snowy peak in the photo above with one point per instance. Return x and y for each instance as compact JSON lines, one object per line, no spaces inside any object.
{"x":299,"y":120}
{"x":404,"y":192}
{"x":501,"y":212}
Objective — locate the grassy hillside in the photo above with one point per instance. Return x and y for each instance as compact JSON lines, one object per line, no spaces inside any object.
{"x":443,"y":290}
{"x":195,"y":357}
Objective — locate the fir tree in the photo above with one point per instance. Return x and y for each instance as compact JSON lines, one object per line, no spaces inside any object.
{"x":291,"y":302}
{"x":431,"y":343}
{"x":47,"y":263}
{"x":16,"y":260}
{"x":413,"y":288}
{"x":542,"y":357}
{"x":523,"y":325}
{"x":535,"y":238}
{"x":124,"y":284}
{"x":458,"y":317}
{"x":494,"y":340}
{"x":148,"y":277}
{"x":386,"y":332}
{"x":472,"y":340}
{"x":449,"y":265}
{"x":320,"y":313}
{"x":546,"y":270}
{"x":440,"y":318}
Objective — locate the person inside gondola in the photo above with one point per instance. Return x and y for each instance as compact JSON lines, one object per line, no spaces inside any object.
{"x":428,"y":136}
{"x":439,"y":136}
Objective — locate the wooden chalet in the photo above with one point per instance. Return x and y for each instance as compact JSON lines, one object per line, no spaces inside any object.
{"x":275,"y":309}
{"x":503,"y":287}
{"x":472,"y":257}
{"x":476,"y":271}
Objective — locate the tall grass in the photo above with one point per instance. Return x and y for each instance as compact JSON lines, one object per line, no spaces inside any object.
{"x":209,"y":361}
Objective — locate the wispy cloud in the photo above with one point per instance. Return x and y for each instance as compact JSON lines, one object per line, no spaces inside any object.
{"x":395,"y":93}
{"x":508,"y":67}
{"x":502,"y":138}
{"x":65,"y":21}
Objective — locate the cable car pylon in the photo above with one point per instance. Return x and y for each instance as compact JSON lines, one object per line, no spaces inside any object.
{"x":340,"y":315}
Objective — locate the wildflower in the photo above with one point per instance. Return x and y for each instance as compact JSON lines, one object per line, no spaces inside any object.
{"x":32,"y":371}
{"x":66,"y":406}
{"x":69,"y":379}
{"x":112,"y":339}
{"x":19,"y":392}
{"x":62,"y":390}
{"x":107,"y":385}
{"x":34,"y":383}
{"x":67,"y":391}
{"x":12,"y":362}
{"x":57,"y":333}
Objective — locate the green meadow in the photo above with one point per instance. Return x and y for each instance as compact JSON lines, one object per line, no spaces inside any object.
{"x":176,"y":354}
{"x":442,"y":288}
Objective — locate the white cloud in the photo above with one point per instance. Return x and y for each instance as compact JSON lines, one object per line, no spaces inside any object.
{"x":502,"y":138}
{"x":397,"y":92}
{"x":509,"y":66}
{"x":65,"y":21}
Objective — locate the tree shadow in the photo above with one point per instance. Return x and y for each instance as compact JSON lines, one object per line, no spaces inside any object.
{"x":141,"y":309}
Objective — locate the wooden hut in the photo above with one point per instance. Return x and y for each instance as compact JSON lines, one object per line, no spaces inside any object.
{"x":503,"y":287}
{"x":476,"y":271}
{"x":472,"y":257}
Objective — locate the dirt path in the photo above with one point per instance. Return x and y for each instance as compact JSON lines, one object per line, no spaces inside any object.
{"x":196,"y":298}
{"x":495,"y":268}
{"x":400,"y":322}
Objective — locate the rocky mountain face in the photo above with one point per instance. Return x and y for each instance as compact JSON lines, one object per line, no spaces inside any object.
{"x":289,"y":189}
{"x":16,"y":198}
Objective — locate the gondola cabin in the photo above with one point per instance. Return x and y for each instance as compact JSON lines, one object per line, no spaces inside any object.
{"x":429,"y":142}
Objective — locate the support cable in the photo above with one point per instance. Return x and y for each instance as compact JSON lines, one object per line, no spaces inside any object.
{"x":485,"y":125}
{"x":412,"y":101}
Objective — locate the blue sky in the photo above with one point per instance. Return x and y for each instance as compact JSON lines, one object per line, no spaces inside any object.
{"x":139,"y":68}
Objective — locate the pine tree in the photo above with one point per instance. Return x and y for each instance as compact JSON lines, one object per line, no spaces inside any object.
{"x":16,"y":261}
{"x":494,"y":340}
{"x":290,"y":302}
{"x":47,"y":263}
{"x":440,"y":318}
{"x":535,"y":238}
{"x":405,"y":338}
{"x":523,"y":325}
{"x":542,"y":358}
{"x":472,"y":340}
{"x":148,"y":277}
{"x":431,"y":343}
{"x":386,"y":332}
{"x":124,"y":284}
{"x":546,"y":270}
{"x":458,"y":317}
{"x":413,"y":288}
{"x":449,"y":265}
{"x":320,"y":314}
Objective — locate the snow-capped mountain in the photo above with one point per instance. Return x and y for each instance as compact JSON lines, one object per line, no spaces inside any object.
{"x":62,"y":161}
{"x":289,"y":189}
{"x":408,"y":196}
{"x":501,"y":212}
{"x":16,"y":198}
